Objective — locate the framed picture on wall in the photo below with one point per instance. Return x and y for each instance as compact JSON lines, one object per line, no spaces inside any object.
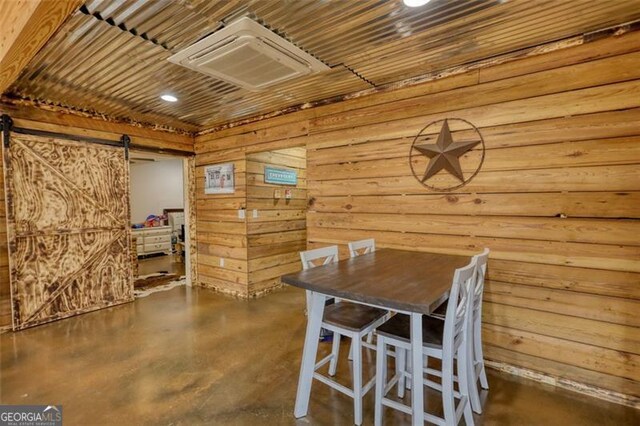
{"x":219,"y":179}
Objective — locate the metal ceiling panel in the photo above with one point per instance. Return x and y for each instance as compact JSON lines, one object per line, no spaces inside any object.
{"x":109,"y":58}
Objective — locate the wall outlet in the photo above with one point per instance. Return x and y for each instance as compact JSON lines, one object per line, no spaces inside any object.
{"x":221,"y":262}
{"x":241,"y":213}
{"x":255,"y":213}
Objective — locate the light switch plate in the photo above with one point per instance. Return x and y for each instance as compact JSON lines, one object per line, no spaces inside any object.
{"x":221,"y":262}
{"x":241,"y":213}
{"x":255,"y":213}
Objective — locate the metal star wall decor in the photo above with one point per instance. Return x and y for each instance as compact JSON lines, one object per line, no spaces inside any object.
{"x":445,"y":153}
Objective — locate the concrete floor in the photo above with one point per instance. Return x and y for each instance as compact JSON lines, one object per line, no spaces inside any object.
{"x":187,"y":357}
{"x":167,"y":263}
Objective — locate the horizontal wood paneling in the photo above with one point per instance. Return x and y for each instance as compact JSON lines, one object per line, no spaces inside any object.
{"x":556,"y":200}
{"x":279,"y":232}
{"x":39,"y":119}
{"x":540,"y":204}
{"x":222,"y":234}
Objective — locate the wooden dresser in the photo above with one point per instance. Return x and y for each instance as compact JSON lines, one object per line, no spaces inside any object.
{"x":153,"y":240}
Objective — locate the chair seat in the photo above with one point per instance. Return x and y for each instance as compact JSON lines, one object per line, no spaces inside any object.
{"x":399,"y":328}
{"x":352,"y":316}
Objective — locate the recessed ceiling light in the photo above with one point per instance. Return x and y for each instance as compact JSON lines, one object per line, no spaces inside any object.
{"x":415,"y":3}
{"x":169,"y":98}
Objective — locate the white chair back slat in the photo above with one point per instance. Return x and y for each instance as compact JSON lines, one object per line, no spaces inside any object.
{"x":317,"y":257}
{"x":481,"y":271}
{"x":455,"y":323}
{"x":357,"y":248}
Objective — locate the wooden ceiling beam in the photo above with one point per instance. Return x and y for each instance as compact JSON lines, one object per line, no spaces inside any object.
{"x":25,"y":26}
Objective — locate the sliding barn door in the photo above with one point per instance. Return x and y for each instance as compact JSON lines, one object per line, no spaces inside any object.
{"x":68,"y":227}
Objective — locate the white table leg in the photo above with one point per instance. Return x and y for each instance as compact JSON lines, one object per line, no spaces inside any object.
{"x":314,"y":323}
{"x":417,"y":390}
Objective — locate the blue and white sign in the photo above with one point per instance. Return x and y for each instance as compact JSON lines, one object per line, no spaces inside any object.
{"x":280,"y":176}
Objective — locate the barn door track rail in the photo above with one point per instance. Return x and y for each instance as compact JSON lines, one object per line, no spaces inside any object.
{"x":7,"y":127}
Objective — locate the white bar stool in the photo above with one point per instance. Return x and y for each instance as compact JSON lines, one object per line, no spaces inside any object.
{"x":358,"y":248}
{"x":477,"y":368}
{"x":343,"y":319}
{"x":443,"y":340}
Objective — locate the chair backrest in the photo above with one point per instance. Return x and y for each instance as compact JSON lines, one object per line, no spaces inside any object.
{"x":317,"y":257}
{"x":357,"y":248}
{"x":460,"y":298}
{"x":481,"y":271}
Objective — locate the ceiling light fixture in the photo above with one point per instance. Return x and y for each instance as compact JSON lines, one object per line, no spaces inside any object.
{"x":415,"y":3}
{"x":169,"y":98}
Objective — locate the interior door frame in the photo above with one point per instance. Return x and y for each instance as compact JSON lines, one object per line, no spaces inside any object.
{"x":189,"y":206}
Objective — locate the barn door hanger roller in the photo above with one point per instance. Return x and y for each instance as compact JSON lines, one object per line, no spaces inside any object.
{"x":6,"y":124}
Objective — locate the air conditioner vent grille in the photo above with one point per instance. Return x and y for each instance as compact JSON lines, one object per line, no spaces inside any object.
{"x":248,"y":55}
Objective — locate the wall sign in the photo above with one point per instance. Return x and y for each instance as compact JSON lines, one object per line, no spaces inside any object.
{"x":219,"y":179}
{"x":435,"y":148}
{"x":280,"y":176}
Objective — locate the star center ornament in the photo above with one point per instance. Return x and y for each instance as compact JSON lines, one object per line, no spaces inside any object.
{"x":445,"y":153}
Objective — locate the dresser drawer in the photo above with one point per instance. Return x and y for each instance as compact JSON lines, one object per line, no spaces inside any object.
{"x":150,"y":232}
{"x":156,"y":247}
{"x":157,"y":239}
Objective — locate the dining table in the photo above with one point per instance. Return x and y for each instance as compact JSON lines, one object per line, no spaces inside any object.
{"x":414,"y":283}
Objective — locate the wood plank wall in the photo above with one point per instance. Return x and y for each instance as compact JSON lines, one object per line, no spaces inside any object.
{"x":221,"y":234}
{"x":245,"y":257}
{"x":33,"y":118}
{"x":278,"y":234}
{"x":556,"y":201}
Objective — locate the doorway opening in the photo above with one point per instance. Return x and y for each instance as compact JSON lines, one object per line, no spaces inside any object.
{"x":159,"y":202}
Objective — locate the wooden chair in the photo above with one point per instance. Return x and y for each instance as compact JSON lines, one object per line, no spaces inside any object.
{"x":477,"y":368}
{"x":344,"y":319}
{"x":446,"y":340}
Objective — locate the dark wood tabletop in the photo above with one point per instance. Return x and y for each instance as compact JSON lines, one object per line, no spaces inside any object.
{"x":396,"y":279}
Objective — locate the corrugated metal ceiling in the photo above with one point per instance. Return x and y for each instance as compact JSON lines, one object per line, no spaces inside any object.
{"x":110,"y":57}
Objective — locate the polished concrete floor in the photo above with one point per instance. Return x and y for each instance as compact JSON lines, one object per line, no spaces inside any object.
{"x":165,"y":263}
{"x":189,"y":357}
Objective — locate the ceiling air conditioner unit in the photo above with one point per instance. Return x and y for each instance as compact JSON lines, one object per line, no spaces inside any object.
{"x":248,"y":55}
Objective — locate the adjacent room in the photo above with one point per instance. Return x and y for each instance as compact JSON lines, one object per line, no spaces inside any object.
{"x":157,"y":219}
{"x":324,"y":212}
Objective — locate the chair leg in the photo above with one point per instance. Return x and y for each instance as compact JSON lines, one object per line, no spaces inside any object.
{"x":335,"y":351}
{"x":448,"y":401}
{"x":350,"y":358}
{"x":309,"y":352}
{"x":381,"y":378}
{"x":409,"y":370}
{"x":357,"y":378}
{"x":463,"y":382}
{"x":401,"y":362}
{"x":471,"y":379}
{"x":308,"y":295}
{"x":478,"y":355}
